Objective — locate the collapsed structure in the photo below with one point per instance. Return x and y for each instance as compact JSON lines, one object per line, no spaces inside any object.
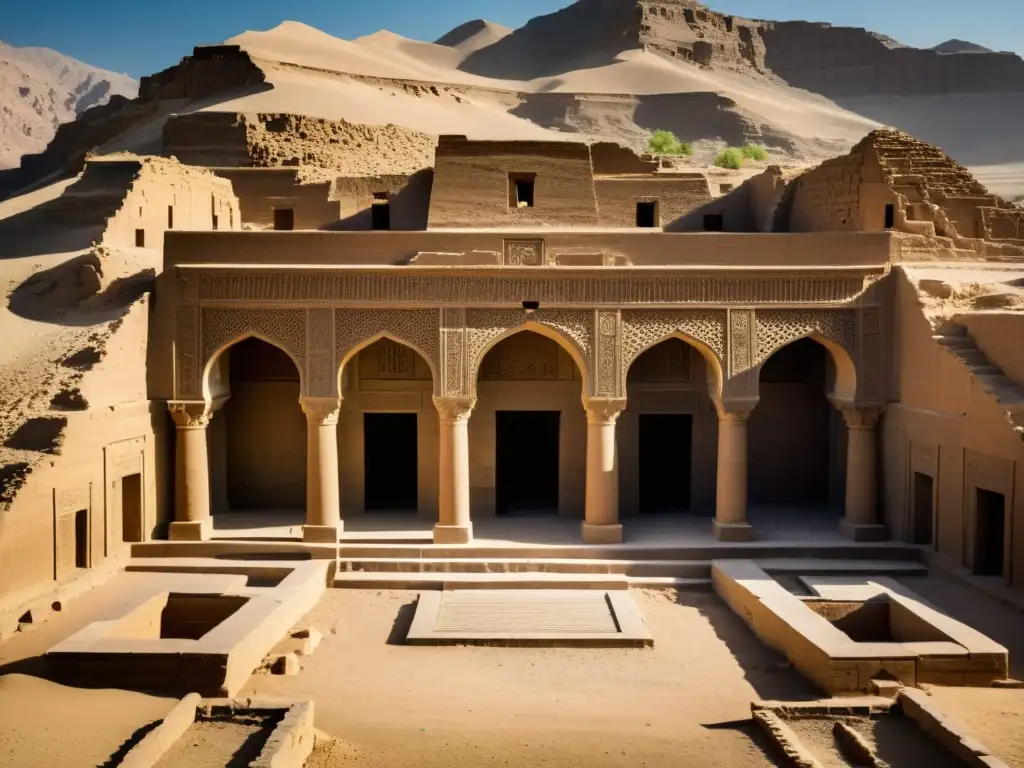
{"x":560,"y":328}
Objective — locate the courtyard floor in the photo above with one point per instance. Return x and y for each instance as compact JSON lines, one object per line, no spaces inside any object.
{"x":388,"y":705}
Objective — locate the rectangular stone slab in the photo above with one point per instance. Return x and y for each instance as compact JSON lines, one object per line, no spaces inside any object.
{"x":583,"y":618}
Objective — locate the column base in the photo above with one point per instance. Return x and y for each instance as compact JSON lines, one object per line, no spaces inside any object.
{"x":734,"y":531}
{"x":453,"y":534}
{"x":322,"y":534}
{"x":602,"y":534}
{"x":191,"y":530}
{"x":863,"y":531}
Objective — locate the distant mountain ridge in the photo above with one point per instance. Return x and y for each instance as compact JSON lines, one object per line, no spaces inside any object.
{"x":40,"y":89}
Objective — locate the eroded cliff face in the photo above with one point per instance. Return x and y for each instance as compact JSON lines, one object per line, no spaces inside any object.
{"x":690,"y":31}
{"x":846,"y":61}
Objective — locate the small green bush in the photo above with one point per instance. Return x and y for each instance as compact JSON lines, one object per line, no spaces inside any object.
{"x":755,"y":152}
{"x":666,"y":143}
{"x":730,"y":157}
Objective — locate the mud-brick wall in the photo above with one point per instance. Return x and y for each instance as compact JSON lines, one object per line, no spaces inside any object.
{"x":262,"y":190}
{"x":675,"y":196}
{"x":826,"y":198}
{"x":408,"y":199}
{"x":167,"y":195}
{"x":471,"y":184}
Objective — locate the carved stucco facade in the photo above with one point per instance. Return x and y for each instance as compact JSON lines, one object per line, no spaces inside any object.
{"x":604,"y":320}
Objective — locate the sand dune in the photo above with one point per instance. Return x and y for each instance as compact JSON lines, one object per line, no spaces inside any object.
{"x":474,"y":35}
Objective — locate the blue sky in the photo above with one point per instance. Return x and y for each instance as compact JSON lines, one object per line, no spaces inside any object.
{"x":140,"y":37}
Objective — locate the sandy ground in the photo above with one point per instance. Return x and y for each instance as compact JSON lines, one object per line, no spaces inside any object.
{"x":478,"y":706}
{"x":45,"y":725}
{"x":680,"y":703}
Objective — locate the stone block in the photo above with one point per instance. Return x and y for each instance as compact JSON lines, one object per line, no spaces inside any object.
{"x":601,"y":534}
{"x":453,"y":534}
{"x":286,"y":664}
{"x":309,"y":640}
{"x":934,"y":677}
{"x":322,"y":534}
{"x":858,"y":532}
{"x":191,"y":530}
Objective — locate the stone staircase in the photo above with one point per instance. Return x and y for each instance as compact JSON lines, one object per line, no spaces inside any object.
{"x":581,"y":567}
{"x":1007,"y":393}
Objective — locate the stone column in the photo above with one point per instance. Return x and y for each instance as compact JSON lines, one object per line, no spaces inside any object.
{"x":192,"y":520}
{"x":860,"y":520}
{"x":731,"y":495}
{"x":323,"y":508}
{"x":453,"y":524}
{"x":601,"y":523}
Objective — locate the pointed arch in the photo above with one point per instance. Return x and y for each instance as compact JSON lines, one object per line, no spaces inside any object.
{"x":845,"y":385}
{"x":351,"y":352}
{"x":213,"y":360}
{"x":484,"y":339}
{"x":714,"y":365}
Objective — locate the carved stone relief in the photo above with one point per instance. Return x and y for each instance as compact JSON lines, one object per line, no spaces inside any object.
{"x":521,"y":358}
{"x":607,"y":354}
{"x":417,"y":327}
{"x":453,"y":342}
{"x":643,"y":329}
{"x":285,"y":328}
{"x":186,"y":352}
{"x":415,"y":287}
{"x":483,"y":326}
{"x":322,"y":368}
{"x":778,"y":327}
{"x":523,"y":253}
{"x":869,"y":369}
{"x":395,"y":361}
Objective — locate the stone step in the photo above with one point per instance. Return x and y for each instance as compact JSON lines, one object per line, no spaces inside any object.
{"x":667,"y":568}
{"x":669,"y":582}
{"x":702,"y":551}
{"x":423,"y":581}
{"x":817,"y":567}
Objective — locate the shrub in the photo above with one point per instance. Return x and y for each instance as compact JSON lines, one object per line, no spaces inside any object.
{"x":730,"y":157}
{"x":755,"y":152}
{"x":666,"y":143}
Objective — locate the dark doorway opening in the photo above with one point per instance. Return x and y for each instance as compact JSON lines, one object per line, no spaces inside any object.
{"x":923,"y":508}
{"x":526,"y":461}
{"x":713,"y":222}
{"x":140,"y":238}
{"x":390,"y":459}
{"x":520,"y":190}
{"x":131,"y":507}
{"x":284,"y":219}
{"x":170,"y":217}
{"x":380,"y":211}
{"x":890,"y":215}
{"x":989,"y":533}
{"x":665,"y":447}
{"x":646,"y":214}
{"x":82,"y":538}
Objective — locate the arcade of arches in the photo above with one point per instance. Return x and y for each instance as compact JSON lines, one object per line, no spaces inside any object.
{"x":530,"y":443}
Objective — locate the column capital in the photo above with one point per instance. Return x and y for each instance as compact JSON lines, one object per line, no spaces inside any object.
{"x":858,"y":415}
{"x":190,"y":414}
{"x":604,"y":410}
{"x":321,"y":410}
{"x":736,"y":409}
{"x":454,"y":408}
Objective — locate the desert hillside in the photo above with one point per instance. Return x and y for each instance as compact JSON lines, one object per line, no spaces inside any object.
{"x":40,"y":89}
{"x":602,"y":69}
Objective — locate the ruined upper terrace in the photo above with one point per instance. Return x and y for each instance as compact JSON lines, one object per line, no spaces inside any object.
{"x":541,"y":247}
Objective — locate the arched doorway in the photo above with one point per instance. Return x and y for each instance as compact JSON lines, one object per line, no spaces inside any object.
{"x":387,"y":431}
{"x":259,"y":450}
{"x":796,"y":438}
{"x":668,"y":433}
{"x":528,"y":431}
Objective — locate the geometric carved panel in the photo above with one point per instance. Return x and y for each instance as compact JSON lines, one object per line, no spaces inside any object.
{"x":521,"y":358}
{"x":285,"y":328}
{"x":67,"y":503}
{"x":417,"y":328}
{"x":778,"y":327}
{"x":390,"y":401}
{"x":642,"y":329}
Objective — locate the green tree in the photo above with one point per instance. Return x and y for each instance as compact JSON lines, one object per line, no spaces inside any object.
{"x":755,"y":152}
{"x":666,"y":143}
{"x":730,"y":157}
